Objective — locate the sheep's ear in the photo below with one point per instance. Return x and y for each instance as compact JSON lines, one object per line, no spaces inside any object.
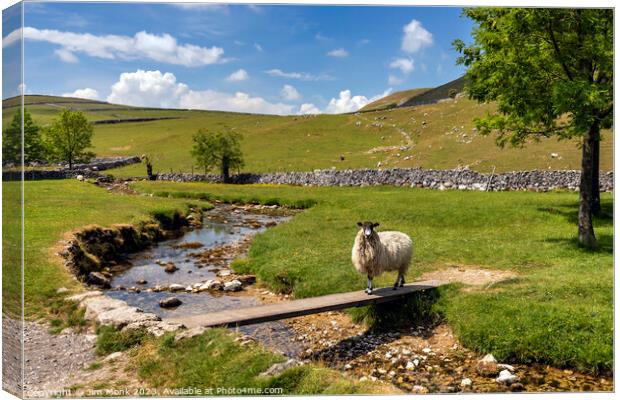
{"x":376,"y":224}
{"x":359,"y":224}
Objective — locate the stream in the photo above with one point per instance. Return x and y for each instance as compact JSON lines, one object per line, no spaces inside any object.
{"x":224,"y":227}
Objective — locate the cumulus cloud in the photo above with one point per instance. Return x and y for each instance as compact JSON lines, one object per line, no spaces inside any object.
{"x":239,"y":102}
{"x":308,"y":108}
{"x":404,"y":64}
{"x":86,"y":93}
{"x":289,"y":92}
{"x":154,"y":89}
{"x":415,"y":37}
{"x":143,"y":45}
{"x":302,"y":76}
{"x":338,"y":53}
{"x":238,"y":76}
{"x":347,"y":103}
{"x":148,"y":89}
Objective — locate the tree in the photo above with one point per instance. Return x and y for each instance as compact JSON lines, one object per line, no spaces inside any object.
{"x":218,"y":150}
{"x":550,"y":71}
{"x":12,"y":137}
{"x":69,"y":136}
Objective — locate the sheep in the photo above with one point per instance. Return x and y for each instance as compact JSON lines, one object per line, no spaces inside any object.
{"x":373,"y":253}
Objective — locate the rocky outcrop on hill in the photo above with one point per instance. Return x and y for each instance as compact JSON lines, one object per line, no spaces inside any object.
{"x":462,"y":179}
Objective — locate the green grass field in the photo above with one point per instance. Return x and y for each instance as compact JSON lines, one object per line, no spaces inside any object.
{"x":434,"y":134}
{"x":559,"y":309}
{"x":52,"y":209}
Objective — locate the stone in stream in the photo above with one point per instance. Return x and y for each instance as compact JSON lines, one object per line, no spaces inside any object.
{"x":170,"y":302}
{"x":506,"y":377}
{"x":170,"y":268}
{"x":98,"y":279}
{"x":141,"y":281}
{"x":487,"y":366}
{"x":233,"y":286}
{"x":211,"y":284}
{"x":247,"y":279}
{"x":175,"y":287}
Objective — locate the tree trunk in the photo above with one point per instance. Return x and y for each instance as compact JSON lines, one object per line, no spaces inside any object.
{"x":225,"y":170}
{"x":596,"y":190}
{"x":70,"y":162}
{"x":586,"y":230}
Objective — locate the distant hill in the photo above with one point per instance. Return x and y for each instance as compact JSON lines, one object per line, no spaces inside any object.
{"x":416,"y":97}
{"x":440,"y":135}
{"x":393,"y":100}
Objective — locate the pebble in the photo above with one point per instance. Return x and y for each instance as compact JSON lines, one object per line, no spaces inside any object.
{"x":506,"y":377}
{"x":466,"y":382}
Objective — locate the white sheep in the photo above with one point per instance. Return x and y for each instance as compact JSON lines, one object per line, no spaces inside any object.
{"x":374,"y":253}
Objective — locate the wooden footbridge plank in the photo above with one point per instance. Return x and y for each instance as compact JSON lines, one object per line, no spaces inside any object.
{"x":296,"y":308}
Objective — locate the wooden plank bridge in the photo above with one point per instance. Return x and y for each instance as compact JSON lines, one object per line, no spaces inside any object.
{"x":296,"y":308}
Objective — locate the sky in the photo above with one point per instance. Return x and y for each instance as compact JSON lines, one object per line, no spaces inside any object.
{"x":249,"y":58}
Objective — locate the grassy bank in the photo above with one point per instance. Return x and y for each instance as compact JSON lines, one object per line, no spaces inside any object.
{"x":52,"y":209}
{"x":215,"y":360}
{"x":559,"y":309}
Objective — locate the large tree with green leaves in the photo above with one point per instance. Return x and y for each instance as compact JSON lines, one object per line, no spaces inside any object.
{"x":550,"y":72}
{"x":218,"y":150}
{"x":12,"y":137}
{"x":69,"y":136}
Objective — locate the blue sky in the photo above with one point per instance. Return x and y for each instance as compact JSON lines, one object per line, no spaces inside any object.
{"x":271,"y":59}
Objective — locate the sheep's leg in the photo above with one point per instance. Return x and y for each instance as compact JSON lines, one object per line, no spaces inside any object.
{"x":402,"y":280}
{"x":398,"y":279}
{"x":369,"y":288}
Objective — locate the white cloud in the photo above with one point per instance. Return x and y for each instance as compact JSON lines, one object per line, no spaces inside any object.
{"x":256,"y":8}
{"x":302,"y":76}
{"x":239,"y":102}
{"x":238,"y":76}
{"x":393,"y":80}
{"x":289,"y":92}
{"x":148,"y":89}
{"x":66,"y":55}
{"x":404,"y":64}
{"x":86,"y":93}
{"x":347,"y":103}
{"x":258,"y":47}
{"x":415,"y":37}
{"x":154,"y":89}
{"x":308,"y":108}
{"x":363,"y":42}
{"x":339,"y":53}
{"x":143,"y":45}
{"x":12,"y":38}
{"x":319,"y":36}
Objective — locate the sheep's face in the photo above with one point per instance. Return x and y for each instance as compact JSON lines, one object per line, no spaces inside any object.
{"x":368,"y":227}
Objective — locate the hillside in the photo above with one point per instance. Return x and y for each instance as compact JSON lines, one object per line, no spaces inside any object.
{"x":439,"y":135}
{"x":416,"y":97}
{"x":393,"y":100}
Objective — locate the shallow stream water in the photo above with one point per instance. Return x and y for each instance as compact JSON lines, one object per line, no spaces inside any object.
{"x":225,"y":225}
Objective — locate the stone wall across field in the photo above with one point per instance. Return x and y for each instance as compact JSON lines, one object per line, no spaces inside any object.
{"x":463,"y":179}
{"x":89,"y":170}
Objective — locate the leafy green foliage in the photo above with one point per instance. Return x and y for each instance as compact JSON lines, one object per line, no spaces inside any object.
{"x":549,"y":70}
{"x":69,"y":137}
{"x":218,"y":150}
{"x":12,"y":137}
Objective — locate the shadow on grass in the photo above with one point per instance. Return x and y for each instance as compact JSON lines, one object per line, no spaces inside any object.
{"x":570,"y":211}
{"x":605,"y":244}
